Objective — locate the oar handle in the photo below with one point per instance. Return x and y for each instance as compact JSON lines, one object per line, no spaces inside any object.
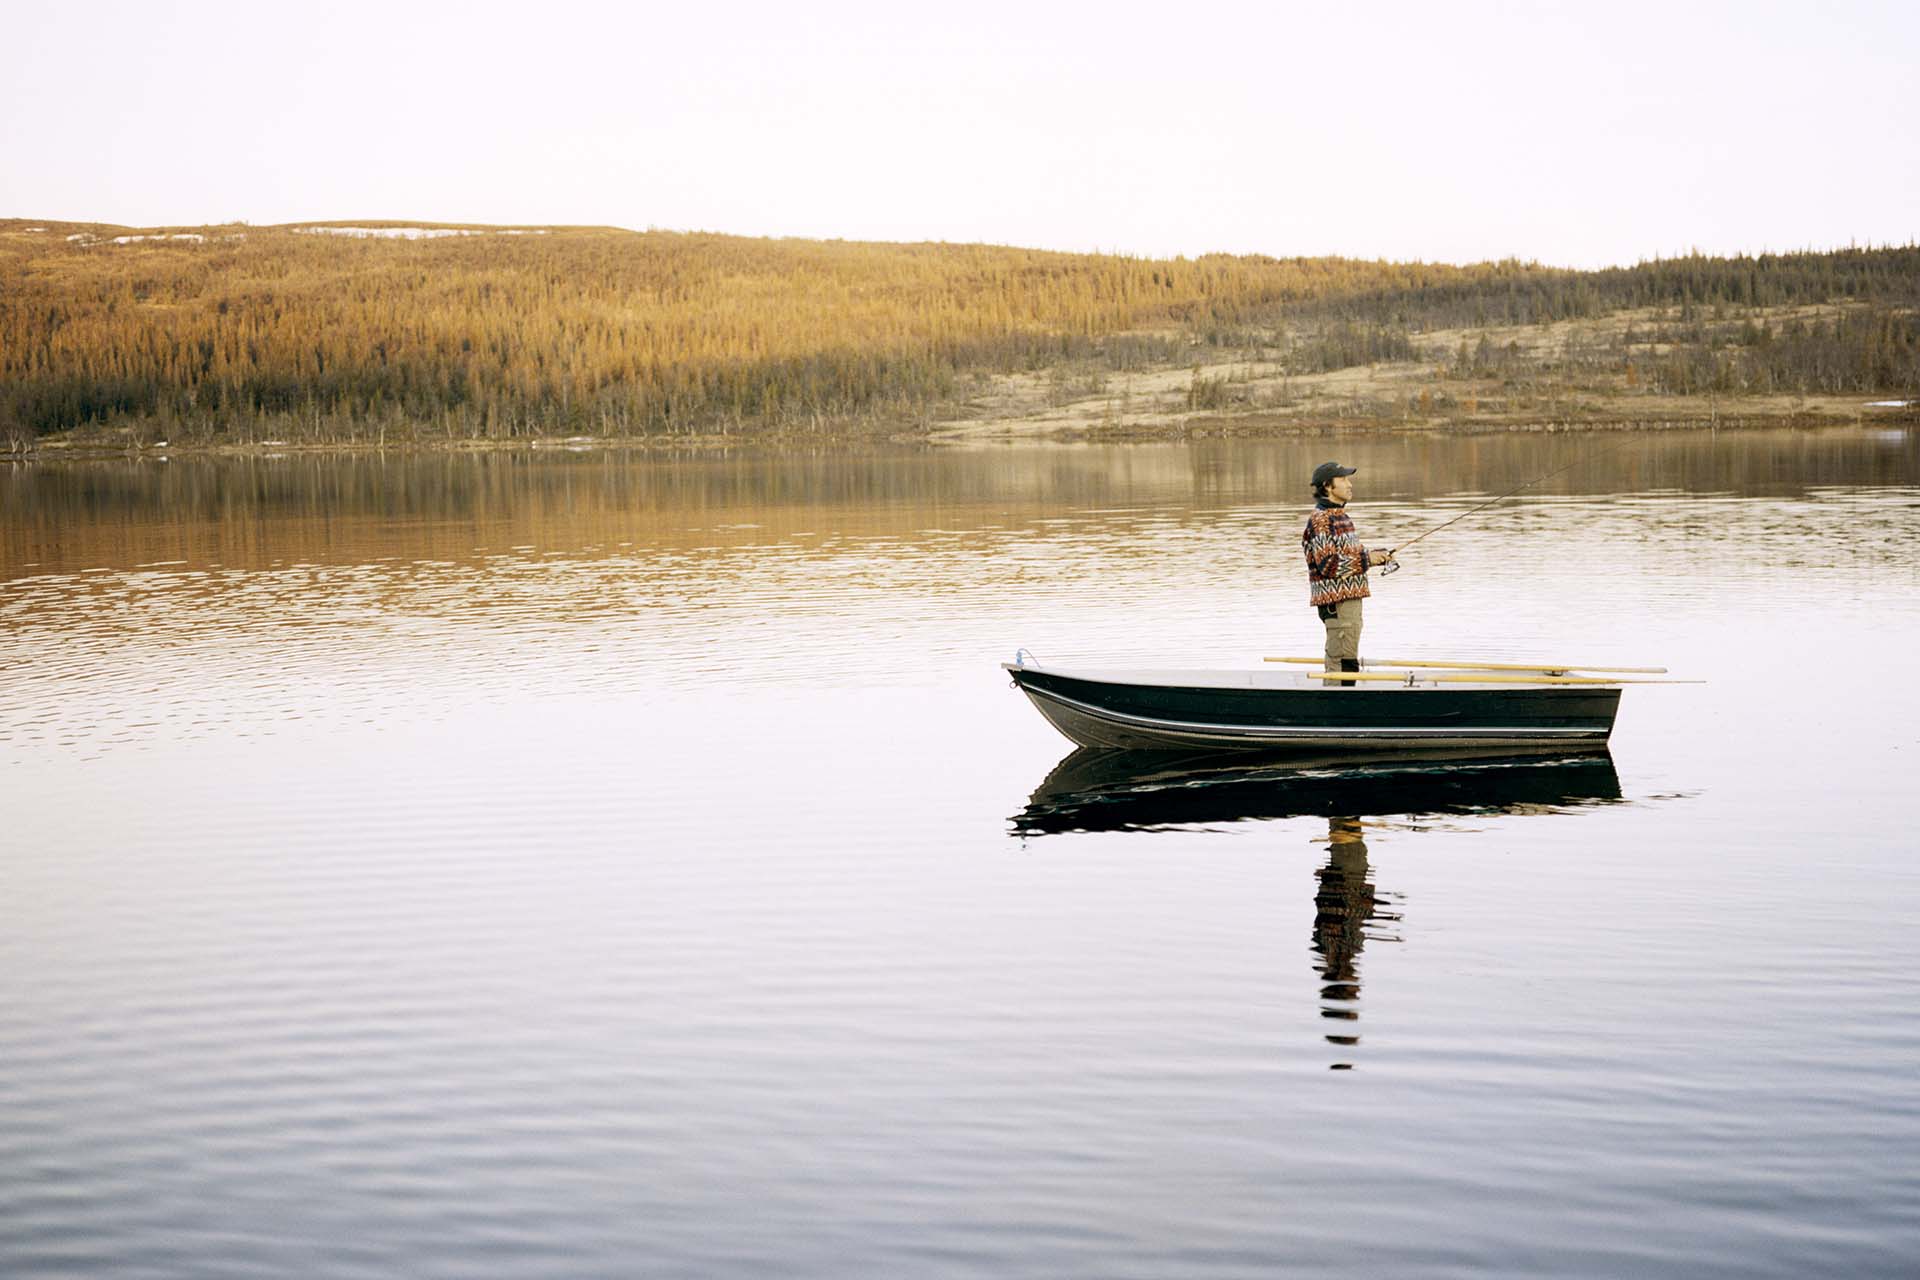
{"x":1471,"y":677}
{"x":1471,"y":664}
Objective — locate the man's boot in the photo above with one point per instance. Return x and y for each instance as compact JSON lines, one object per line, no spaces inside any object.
{"x":1348,"y":664}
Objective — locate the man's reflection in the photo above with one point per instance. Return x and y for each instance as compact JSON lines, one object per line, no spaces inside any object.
{"x":1343,"y":906}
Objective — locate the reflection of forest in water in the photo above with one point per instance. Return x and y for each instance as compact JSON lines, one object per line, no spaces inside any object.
{"x":1098,"y":790}
{"x":333,"y":508}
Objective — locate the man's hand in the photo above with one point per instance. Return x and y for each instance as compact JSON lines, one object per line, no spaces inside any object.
{"x":1378,"y":558}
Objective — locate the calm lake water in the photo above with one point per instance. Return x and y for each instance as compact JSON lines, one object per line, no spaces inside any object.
{"x":608,"y":864}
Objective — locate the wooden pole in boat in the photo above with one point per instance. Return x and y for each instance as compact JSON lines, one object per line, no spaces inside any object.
{"x":1549,"y":667}
{"x":1468,"y":677}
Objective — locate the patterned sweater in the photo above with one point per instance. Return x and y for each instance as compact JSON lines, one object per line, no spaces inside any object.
{"x":1336,"y":562}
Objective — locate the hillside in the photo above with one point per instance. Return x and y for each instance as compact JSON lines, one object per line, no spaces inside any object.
{"x":356,"y":331}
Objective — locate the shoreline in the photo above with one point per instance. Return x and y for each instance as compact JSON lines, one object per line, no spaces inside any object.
{"x":1049,"y":428}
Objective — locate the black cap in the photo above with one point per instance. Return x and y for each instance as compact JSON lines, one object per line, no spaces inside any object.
{"x":1328,"y":470}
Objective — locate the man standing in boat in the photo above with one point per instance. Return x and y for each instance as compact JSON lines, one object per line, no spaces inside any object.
{"x":1337,"y":566}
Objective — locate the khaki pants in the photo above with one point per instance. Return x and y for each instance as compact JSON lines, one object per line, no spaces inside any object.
{"x":1343,"y":633}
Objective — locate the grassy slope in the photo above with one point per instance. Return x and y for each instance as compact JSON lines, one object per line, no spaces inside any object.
{"x":1258,"y":392}
{"x":241,"y":334}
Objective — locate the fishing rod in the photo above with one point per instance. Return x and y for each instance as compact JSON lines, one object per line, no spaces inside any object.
{"x":1393,"y":566}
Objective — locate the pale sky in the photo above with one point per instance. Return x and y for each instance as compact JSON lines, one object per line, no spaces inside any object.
{"x":1580,"y":135}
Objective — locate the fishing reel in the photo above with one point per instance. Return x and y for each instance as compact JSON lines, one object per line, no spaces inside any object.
{"x":1391,"y":565}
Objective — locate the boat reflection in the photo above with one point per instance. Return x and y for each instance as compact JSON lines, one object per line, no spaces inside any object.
{"x":1105,"y":790}
{"x":1096,"y":790}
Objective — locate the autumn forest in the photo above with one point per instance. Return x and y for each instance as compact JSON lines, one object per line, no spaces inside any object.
{"x":400,"y":331}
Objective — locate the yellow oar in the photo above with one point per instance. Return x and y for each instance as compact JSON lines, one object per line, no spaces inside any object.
{"x":1483,"y":666}
{"x":1441,"y":677}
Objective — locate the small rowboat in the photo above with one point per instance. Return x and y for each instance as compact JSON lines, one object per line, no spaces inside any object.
{"x":1270,"y":709}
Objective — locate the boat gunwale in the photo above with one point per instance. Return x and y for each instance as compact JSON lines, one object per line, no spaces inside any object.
{"x":1236,"y":679}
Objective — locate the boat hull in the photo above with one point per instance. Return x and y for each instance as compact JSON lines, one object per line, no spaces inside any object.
{"x":1135,"y":716}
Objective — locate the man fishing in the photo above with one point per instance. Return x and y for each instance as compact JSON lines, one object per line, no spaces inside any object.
{"x":1337,"y":566}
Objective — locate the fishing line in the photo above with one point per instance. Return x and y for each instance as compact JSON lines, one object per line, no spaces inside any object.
{"x":1393,"y":566}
